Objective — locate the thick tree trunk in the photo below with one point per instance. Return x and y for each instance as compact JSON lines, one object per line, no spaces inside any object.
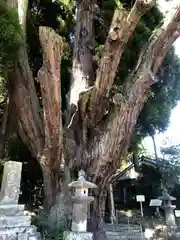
{"x":3,"y":128}
{"x":107,"y":140}
{"x":97,"y":213}
{"x":60,"y":213}
{"x":26,"y":116}
{"x":51,"y":185}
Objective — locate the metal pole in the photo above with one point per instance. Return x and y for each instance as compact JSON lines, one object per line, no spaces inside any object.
{"x":142,"y":215}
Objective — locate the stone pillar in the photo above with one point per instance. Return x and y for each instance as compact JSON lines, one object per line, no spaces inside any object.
{"x":80,"y":205}
{"x":14,"y":224}
{"x":10,"y":187}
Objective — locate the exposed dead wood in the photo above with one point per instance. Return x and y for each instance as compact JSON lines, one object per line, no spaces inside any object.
{"x":83,"y":73}
{"x":49,"y":78}
{"x":121,"y":29}
{"x":51,"y":159}
{"x":82,"y":69}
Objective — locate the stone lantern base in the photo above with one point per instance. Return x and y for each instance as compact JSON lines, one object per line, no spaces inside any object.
{"x":77,"y":235}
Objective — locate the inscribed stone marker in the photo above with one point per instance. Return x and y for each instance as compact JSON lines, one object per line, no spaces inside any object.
{"x":10,"y":187}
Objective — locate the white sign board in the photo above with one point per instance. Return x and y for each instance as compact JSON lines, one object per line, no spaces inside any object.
{"x":155,"y":203}
{"x":177,"y":213}
{"x":140,"y":198}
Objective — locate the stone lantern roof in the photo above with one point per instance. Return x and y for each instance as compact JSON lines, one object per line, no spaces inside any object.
{"x":166,"y":196}
{"x":81,"y":182}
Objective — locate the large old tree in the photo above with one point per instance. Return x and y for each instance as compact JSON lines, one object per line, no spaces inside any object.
{"x":95,"y":130}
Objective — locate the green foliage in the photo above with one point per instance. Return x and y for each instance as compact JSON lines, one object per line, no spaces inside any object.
{"x":170,"y":165}
{"x":163,"y":97}
{"x":10,"y":37}
{"x":51,"y":230}
{"x":171,"y":152}
{"x":40,"y":221}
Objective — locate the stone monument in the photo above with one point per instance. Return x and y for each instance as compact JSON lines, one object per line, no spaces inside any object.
{"x":80,"y":205}
{"x":168,"y":208}
{"x":11,"y":182}
{"x":13,"y":222}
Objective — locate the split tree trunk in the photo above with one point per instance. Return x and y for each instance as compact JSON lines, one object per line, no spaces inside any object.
{"x":98,"y":145}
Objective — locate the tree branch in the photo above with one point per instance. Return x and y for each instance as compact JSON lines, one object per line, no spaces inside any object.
{"x":152,"y":55}
{"x":121,"y":29}
{"x":49,"y":78}
{"x":121,"y":123}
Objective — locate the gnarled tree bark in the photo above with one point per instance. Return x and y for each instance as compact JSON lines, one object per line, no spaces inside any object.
{"x":88,"y":143}
{"x":3,"y":127}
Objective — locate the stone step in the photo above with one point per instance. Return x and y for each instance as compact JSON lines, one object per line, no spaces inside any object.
{"x":36,"y":236}
{"x":10,"y":234}
{"x":123,"y":229}
{"x":123,"y":233}
{"x":127,"y":236}
{"x":119,"y":229}
{"x":11,"y":210}
{"x":31,"y":230}
{"x":122,"y":225}
{"x":139,"y":237}
{"x":14,"y":221}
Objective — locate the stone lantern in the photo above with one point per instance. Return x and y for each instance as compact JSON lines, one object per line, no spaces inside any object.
{"x":80,"y":207}
{"x":168,"y":208}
